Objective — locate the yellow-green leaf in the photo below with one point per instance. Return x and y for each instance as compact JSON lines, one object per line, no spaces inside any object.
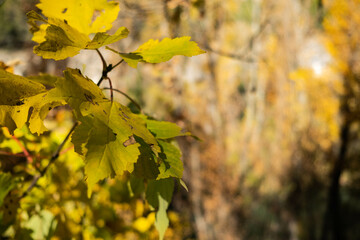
{"x":116,"y":115}
{"x":19,"y":95}
{"x":154,"y":51}
{"x":102,"y":39}
{"x":158,"y":195}
{"x":165,"y":130}
{"x":171,"y":164}
{"x":77,"y":89}
{"x":106,"y":154}
{"x":61,"y":41}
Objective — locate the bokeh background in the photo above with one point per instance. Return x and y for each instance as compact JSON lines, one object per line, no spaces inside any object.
{"x":275,"y":102}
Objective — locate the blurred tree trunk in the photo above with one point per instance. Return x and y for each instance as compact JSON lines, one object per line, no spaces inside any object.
{"x":332,"y":218}
{"x":332,"y":223}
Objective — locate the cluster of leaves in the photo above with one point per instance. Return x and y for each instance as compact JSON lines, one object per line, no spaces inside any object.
{"x":112,"y":140}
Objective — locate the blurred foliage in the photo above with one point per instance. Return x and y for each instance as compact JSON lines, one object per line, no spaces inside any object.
{"x":14,"y":31}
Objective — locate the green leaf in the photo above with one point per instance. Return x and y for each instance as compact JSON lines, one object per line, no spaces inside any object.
{"x":171,"y":164}
{"x":77,"y":89}
{"x":6,"y":185}
{"x":43,"y":225}
{"x":116,"y":115}
{"x":158,"y":195}
{"x":146,"y":166}
{"x":80,"y":137}
{"x":165,"y":130}
{"x":154,"y":51}
{"x":106,"y":153}
{"x":136,"y":186}
{"x":102,"y":39}
{"x":183,"y":184}
{"x":45,"y":79}
{"x":14,"y":87}
{"x":110,"y":148}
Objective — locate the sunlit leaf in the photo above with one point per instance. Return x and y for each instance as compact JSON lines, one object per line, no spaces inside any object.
{"x":23,"y":100}
{"x":102,"y":39}
{"x":106,"y":153}
{"x":165,"y":130}
{"x":154,"y":51}
{"x":86,"y":16}
{"x":61,"y":41}
{"x":69,"y":23}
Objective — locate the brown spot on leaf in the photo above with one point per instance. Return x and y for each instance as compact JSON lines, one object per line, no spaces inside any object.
{"x":126,"y":116}
{"x":19,"y":103}
{"x":89,"y":98}
{"x":130,"y":141}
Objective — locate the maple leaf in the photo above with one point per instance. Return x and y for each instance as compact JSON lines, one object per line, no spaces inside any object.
{"x":67,"y":29}
{"x":24,"y":100}
{"x":86,"y":16}
{"x":104,"y":150}
{"x":165,"y":130}
{"x":106,"y":138}
{"x":154,"y":51}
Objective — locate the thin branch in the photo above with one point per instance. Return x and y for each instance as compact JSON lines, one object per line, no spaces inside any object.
{"x":250,"y":43}
{"x":12,"y":154}
{"x":112,"y":67}
{"x":102,"y":60}
{"x":111,"y":89}
{"x":105,"y":71}
{"x":53,"y":158}
{"x":239,"y":57}
{"x":23,"y":149}
{"x":127,"y":96}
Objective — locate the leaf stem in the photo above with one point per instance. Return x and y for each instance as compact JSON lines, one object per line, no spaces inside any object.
{"x":53,"y":158}
{"x":111,"y":89}
{"x":127,"y":96}
{"x":105,"y":67}
{"x":102,"y":60}
{"x":117,"y":64}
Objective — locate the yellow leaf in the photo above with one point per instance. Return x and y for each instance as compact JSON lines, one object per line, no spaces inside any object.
{"x":86,"y":16}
